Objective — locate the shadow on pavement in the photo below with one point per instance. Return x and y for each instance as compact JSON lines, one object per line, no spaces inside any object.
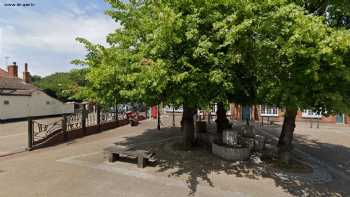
{"x":200,"y":165}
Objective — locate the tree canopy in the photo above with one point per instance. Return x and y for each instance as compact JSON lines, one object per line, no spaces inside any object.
{"x":194,"y":52}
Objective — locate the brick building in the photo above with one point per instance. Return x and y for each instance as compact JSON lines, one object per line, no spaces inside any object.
{"x":259,"y":112}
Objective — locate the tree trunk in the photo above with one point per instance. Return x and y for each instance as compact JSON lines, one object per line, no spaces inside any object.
{"x":285,"y":141}
{"x":188,"y":127}
{"x":221,"y":121}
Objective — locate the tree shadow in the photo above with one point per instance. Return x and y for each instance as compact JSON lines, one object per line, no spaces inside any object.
{"x":332,"y":154}
{"x":198,"y":166}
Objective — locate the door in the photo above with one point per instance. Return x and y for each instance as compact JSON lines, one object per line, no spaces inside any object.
{"x":340,"y":118}
{"x":246,"y":112}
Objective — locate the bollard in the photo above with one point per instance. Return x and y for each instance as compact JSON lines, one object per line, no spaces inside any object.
{"x":310,"y":122}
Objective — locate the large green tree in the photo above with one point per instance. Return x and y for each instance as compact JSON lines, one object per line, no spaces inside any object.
{"x":108,"y":73}
{"x":195,"y":52}
{"x":297,"y":60}
{"x":178,"y":52}
{"x":304,"y":64}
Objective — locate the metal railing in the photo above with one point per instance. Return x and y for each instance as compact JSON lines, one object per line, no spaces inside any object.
{"x":40,"y":130}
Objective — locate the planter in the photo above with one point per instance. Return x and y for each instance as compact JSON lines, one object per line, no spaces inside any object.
{"x":230,"y":137}
{"x":230,"y":153}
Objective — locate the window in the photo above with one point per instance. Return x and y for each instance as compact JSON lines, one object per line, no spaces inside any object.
{"x":169,"y":109}
{"x":269,"y":111}
{"x":310,"y":114}
{"x":6,"y":102}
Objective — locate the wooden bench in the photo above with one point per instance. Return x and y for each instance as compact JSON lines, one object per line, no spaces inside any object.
{"x":143,"y":157}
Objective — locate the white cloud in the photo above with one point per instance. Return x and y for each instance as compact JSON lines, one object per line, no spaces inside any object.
{"x":57,"y":32}
{"x":52,"y":33}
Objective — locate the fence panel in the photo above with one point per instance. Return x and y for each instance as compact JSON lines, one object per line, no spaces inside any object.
{"x":42,"y":130}
{"x":42,"y":133}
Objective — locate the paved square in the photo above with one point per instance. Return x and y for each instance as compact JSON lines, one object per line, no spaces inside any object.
{"x":78,"y":168}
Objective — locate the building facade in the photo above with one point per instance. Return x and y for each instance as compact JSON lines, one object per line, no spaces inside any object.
{"x":20,"y":99}
{"x":274,"y":114}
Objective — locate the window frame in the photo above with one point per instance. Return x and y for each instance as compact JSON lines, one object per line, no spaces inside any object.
{"x":307,"y":113}
{"x":268,"y":111}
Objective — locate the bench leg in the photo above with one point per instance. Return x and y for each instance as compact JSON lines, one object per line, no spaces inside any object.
{"x":140,"y":161}
{"x":113,"y":157}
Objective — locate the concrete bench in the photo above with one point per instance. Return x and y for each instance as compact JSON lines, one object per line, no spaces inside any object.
{"x":143,"y":157}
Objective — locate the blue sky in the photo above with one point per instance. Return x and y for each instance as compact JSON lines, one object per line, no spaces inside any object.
{"x":44,"y":34}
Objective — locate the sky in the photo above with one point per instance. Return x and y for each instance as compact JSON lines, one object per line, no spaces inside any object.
{"x":43,"y":34}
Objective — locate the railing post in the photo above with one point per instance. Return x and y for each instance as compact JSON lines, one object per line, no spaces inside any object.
{"x":83,"y":119}
{"x":98,"y":111}
{"x":64,"y":128}
{"x":30,"y":133}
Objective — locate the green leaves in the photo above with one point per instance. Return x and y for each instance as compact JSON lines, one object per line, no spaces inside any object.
{"x":64,"y":86}
{"x":197,"y":52}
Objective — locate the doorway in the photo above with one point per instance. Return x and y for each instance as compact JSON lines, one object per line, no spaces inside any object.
{"x":246,"y":112}
{"x":339,"y":118}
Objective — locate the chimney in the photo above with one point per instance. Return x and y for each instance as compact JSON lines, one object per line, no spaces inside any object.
{"x":26,"y":74}
{"x":12,"y":70}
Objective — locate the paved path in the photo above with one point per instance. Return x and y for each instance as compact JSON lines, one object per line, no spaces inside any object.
{"x":78,"y":169}
{"x":13,"y":137}
{"x":328,"y":145}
